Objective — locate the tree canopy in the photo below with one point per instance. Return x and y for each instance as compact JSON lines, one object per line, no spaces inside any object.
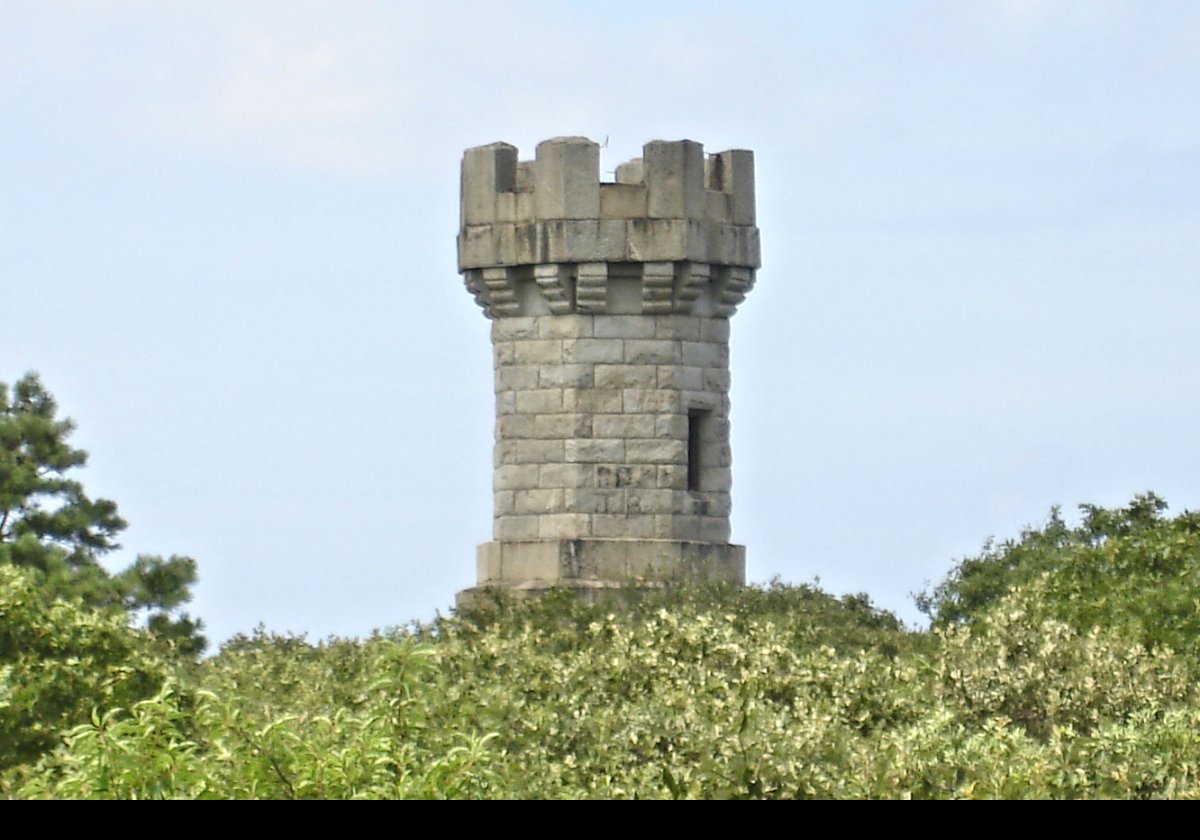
{"x":1131,"y":568}
{"x":1059,"y":664}
{"x":51,"y":527}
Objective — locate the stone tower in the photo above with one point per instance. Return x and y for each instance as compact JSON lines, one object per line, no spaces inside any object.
{"x":610,"y":307}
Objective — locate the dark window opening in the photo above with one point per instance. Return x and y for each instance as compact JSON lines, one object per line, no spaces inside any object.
{"x":698,"y":423}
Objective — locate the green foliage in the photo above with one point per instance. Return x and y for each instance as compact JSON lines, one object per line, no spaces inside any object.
{"x":51,"y":527}
{"x":1130,"y":569}
{"x":1027,"y":687}
{"x":59,"y":661}
{"x":277,"y":718}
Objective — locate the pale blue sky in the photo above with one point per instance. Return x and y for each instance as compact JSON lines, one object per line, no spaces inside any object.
{"x":227,"y":244}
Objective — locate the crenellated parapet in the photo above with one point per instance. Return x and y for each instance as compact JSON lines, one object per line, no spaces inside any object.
{"x":610,"y":307}
{"x":674,"y":234}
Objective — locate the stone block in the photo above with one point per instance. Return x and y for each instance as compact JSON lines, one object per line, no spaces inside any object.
{"x":652,"y":561}
{"x":526,"y":243}
{"x":564,"y":526}
{"x":515,"y":477}
{"x":681,"y":378}
{"x":566,"y":177}
{"x":592,"y":401}
{"x":486,"y":171}
{"x":651,"y":401}
{"x":562,"y":426}
{"x":720,"y":454}
{"x":703,"y":354}
{"x":623,"y":326}
{"x":504,"y":502}
{"x":714,"y":330}
{"x":631,"y":172}
{"x":627,"y":526}
{"x":626,"y":475}
{"x":660,"y":240}
{"x":714,"y":529}
{"x":652,"y":351}
{"x":515,"y":427}
{"x":565,"y":475}
{"x":677,"y":327}
{"x":603,"y":560}
{"x":710,"y":401}
{"x":721,"y":504}
{"x":672,"y":476}
{"x":524,"y":561}
{"x":539,"y":451}
{"x":611,"y":245}
{"x":539,"y":501}
{"x":504,"y":452}
{"x":502,"y":354}
{"x":717,"y":479}
{"x":516,"y":527}
{"x":506,"y":402}
{"x":539,"y":401}
{"x":509,"y":329}
{"x":737,"y":180}
{"x":669,"y":426}
{"x":566,"y":376}
{"x":652,"y":501}
{"x":624,"y":425}
{"x":622,"y":201}
{"x":719,"y":205}
{"x":565,"y":327}
{"x":592,"y":350}
{"x":507,"y":247}
{"x":477,"y":247}
{"x":537,"y":351}
{"x":695,"y":503}
{"x":488,"y":561}
{"x":655,"y":451}
{"x":674,"y":178}
{"x":591,"y":288}
{"x":592,"y":566}
{"x":596,"y":451}
{"x":574,"y":241}
{"x":685,"y":527}
{"x":591,"y":500}
{"x":516,"y":377}
{"x":716,"y":379}
{"x":626,"y":376}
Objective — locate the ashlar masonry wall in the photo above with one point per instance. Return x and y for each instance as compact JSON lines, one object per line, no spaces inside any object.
{"x":610,"y":308}
{"x":597,"y":416}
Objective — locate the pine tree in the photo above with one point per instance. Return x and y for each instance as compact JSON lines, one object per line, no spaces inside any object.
{"x":51,"y":527}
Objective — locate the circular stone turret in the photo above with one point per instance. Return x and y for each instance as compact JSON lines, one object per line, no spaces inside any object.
{"x":610,"y":306}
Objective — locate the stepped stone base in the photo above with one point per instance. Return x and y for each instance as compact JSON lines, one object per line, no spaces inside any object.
{"x":592,"y":567}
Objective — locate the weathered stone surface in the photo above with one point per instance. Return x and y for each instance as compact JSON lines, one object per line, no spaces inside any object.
{"x":539,"y":401}
{"x":537,"y":352}
{"x":624,"y":425}
{"x":610,"y":307}
{"x":598,"y":451}
{"x":626,"y":376}
{"x":565,"y":475}
{"x":515,"y":477}
{"x":566,"y":376}
{"x":592,"y":350}
{"x":539,"y":501}
{"x":557,"y":241}
{"x":623,"y":326}
{"x":593,"y":401}
{"x":594,"y":566}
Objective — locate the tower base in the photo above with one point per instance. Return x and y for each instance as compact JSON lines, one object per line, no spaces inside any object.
{"x":592,"y":567}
